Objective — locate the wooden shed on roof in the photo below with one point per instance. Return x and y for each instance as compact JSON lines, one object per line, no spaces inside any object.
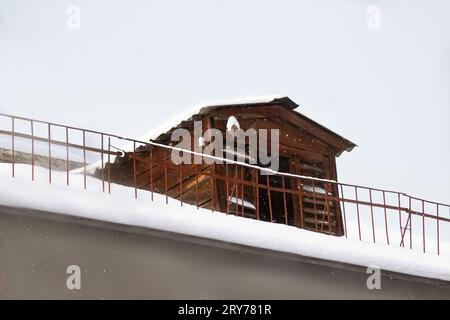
{"x":307,"y":148}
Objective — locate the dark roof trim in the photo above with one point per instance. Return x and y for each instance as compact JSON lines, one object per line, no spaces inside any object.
{"x":285,"y":102}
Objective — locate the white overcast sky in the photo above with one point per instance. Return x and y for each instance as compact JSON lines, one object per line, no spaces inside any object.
{"x":134,"y":64}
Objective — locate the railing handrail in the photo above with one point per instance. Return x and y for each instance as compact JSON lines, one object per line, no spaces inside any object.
{"x":226,"y":160}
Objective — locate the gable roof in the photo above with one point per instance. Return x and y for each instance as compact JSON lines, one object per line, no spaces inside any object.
{"x":276,"y":100}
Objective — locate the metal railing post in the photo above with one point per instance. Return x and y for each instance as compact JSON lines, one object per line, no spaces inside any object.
{"x":49,"y":154}
{"x":32,"y":149}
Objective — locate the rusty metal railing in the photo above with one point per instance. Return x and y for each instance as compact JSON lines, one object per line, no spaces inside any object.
{"x":356,"y":212}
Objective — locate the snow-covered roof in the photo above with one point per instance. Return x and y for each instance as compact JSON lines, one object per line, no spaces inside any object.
{"x":154,"y":133}
{"x":203,"y":108}
{"x":120,"y":207}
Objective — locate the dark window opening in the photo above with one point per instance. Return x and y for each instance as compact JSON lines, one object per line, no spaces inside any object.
{"x":279,"y":204}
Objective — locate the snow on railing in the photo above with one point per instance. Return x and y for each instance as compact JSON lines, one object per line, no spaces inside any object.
{"x":328,"y":206}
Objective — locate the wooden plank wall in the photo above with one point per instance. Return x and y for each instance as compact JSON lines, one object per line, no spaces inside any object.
{"x":205,"y":185}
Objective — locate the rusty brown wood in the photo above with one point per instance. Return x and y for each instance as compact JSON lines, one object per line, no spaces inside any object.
{"x":335,"y":190}
{"x":298,"y":120}
{"x":314,"y":204}
{"x":297,"y":205}
{"x":325,"y":208}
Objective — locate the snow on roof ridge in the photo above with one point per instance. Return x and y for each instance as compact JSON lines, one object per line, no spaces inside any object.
{"x":243,"y":100}
{"x":186,"y":114}
{"x":166,"y":126}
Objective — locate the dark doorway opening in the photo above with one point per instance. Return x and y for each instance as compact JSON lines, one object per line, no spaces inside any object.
{"x":279,"y":205}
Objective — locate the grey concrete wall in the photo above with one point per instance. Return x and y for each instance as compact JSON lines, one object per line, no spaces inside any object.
{"x":123,"y":262}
